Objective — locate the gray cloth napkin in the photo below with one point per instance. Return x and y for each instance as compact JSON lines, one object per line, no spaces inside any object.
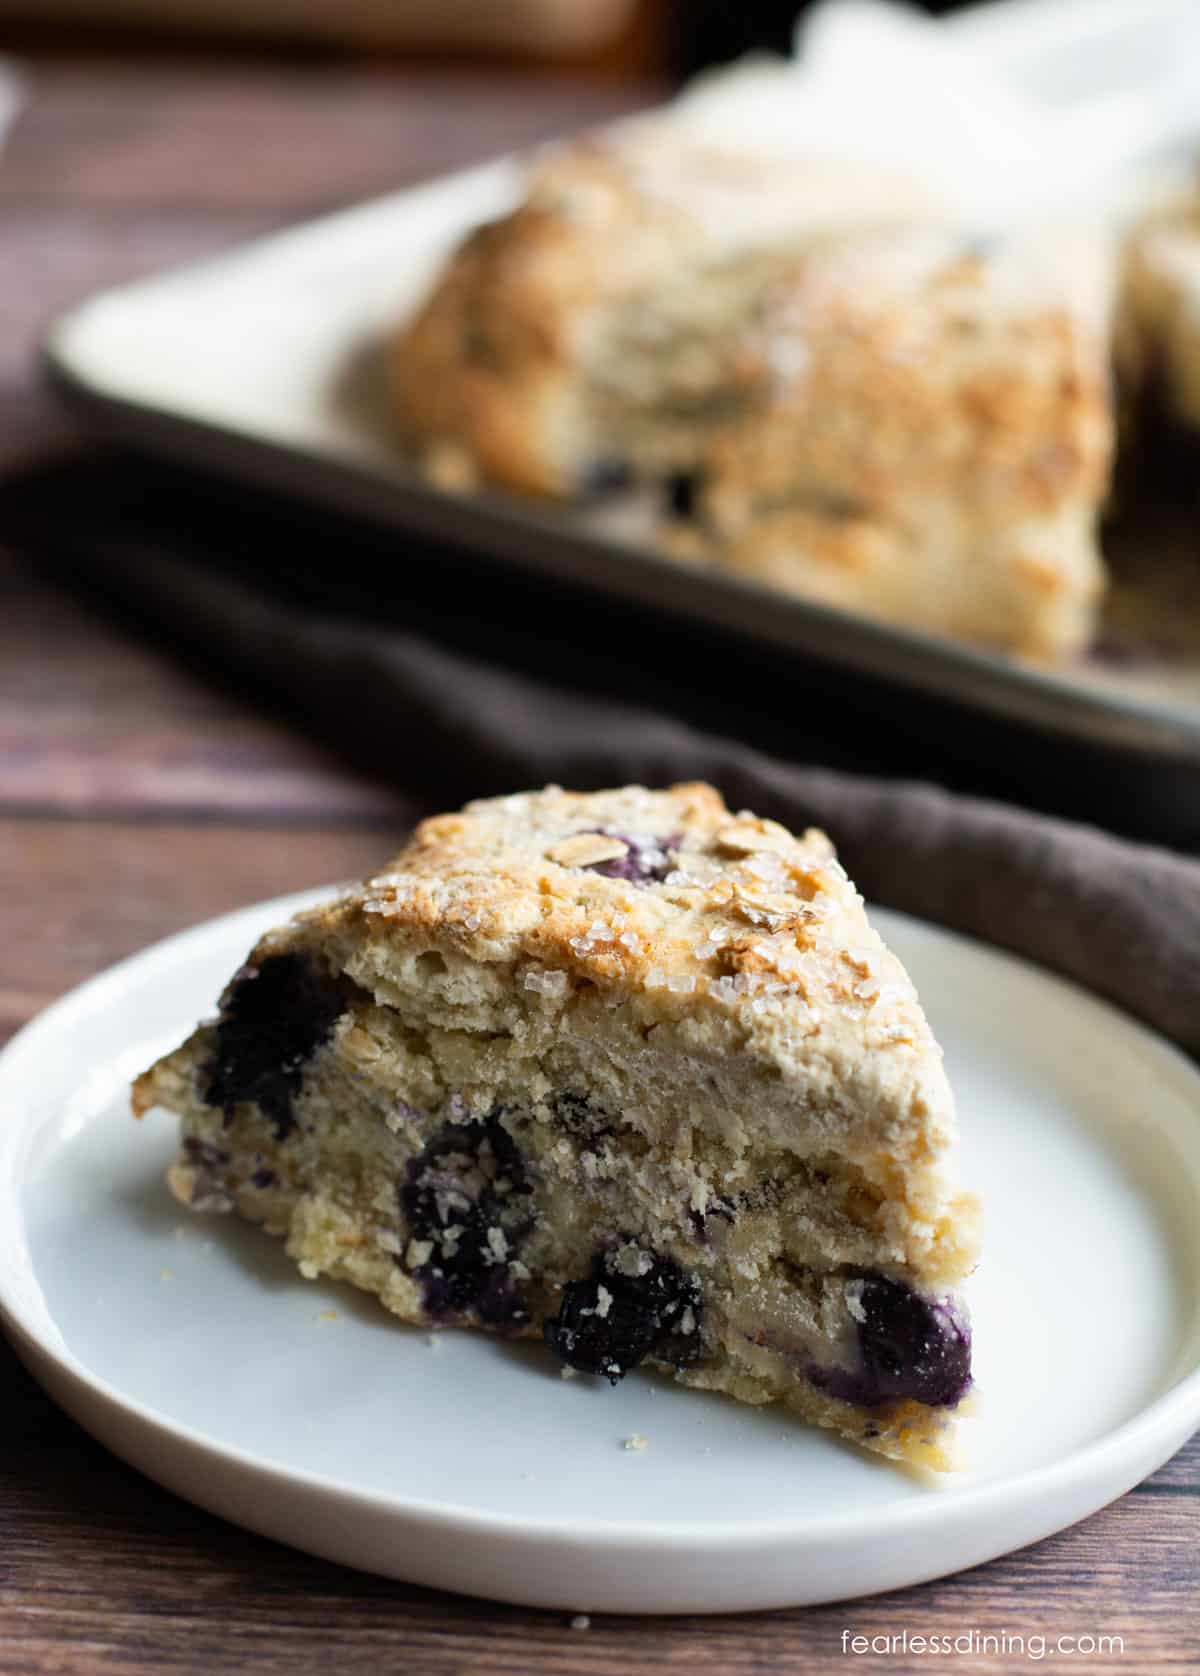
{"x":1121,"y":918}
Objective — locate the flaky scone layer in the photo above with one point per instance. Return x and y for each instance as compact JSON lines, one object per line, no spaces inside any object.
{"x":627,"y":1030}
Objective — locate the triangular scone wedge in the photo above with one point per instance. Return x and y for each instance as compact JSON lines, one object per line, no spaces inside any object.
{"x":622,"y":1070}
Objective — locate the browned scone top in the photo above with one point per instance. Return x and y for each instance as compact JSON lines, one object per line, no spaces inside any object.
{"x":823,"y":388}
{"x":723,"y":935}
{"x":937,"y":443}
{"x":484,"y":375}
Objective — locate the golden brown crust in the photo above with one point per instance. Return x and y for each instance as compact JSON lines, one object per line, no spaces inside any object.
{"x":486,"y":374}
{"x":889,"y":422}
{"x":762,"y":953}
{"x":741,"y":898}
{"x":774,"y":1116}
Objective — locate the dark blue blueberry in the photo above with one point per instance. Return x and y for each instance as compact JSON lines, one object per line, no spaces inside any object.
{"x":582,"y":1119}
{"x":210,"y":1174}
{"x":263,"y":1178}
{"x":682,"y":494}
{"x":911,"y":1347}
{"x":204,"y":1154}
{"x":273,"y":1019}
{"x":648,"y":861}
{"x":720,"y":1207}
{"x":610,"y":1321}
{"x":468,"y":1181}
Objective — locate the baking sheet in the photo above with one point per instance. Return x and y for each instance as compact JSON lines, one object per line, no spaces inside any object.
{"x":264,"y":365}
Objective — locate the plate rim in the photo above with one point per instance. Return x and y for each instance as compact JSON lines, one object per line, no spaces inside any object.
{"x":1174,"y":1411}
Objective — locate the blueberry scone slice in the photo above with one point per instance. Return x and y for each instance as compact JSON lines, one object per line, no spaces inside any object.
{"x":624,"y":1071}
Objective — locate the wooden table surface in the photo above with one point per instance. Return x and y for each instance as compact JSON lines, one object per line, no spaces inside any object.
{"x":135,"y":800}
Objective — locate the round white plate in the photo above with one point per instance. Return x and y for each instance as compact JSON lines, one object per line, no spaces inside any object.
{"x":192,"y":1347}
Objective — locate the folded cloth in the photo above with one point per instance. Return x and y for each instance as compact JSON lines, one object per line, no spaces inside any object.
{"x":307,"y":622}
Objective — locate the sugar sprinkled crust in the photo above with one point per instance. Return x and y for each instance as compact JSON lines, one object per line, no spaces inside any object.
{"x":486,"y":374}
{"x":744,"y":938}
{"x":860,"y":408}
{"x":937,"y":444}
{"x":626,"y":1068}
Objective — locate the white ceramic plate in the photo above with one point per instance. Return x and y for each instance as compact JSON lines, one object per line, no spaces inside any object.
{"x":190,"y":1346}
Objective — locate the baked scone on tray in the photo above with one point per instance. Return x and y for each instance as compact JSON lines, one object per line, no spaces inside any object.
{"x":824,"y":390}
{"x":936,"y":442}
{"x":493,"y":375}
{"x":621,"y":1070}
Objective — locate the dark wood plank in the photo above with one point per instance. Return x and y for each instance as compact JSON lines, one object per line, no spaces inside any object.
{"x":118,"y":167}
{"x":79,"y":894}
{"x":94,"y":721}
{"x":174,"y":132}
{"x":53,"y":255}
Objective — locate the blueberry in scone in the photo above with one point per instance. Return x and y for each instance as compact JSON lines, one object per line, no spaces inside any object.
{"x":621,"y":1071}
